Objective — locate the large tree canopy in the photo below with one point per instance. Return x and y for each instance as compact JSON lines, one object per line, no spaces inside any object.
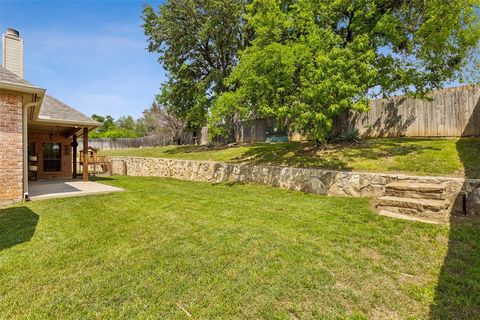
{"x":198,"y":42}
{"x":314,"y":59}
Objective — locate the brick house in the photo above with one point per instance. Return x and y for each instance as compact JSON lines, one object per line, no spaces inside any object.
{"x":38,"y":133}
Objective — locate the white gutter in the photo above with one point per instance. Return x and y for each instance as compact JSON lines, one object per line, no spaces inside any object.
{"x":29,"y":90}
{"x":25,"y":144}
{"x":25,"y":151}
{"x":47,"y":120}
{"x":21,"y":87}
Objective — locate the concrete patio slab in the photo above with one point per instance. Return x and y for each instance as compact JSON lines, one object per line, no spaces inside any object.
{"x":58,"y":188}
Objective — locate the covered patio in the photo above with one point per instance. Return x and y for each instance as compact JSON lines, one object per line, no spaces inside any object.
{"x":52,"y":156}
{"x":38,"y":133}
{"x":60,"y":188}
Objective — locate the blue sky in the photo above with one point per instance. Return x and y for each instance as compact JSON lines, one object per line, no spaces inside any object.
{"x":89,"y":54}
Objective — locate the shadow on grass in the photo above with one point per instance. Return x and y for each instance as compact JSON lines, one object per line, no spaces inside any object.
{"x":17,"y":225}
{"x":101,"y":178}
{"x":194,"y":149}
{"x":232,"y":184}
{"x":457,"y":295}
{"x":469,"y":152}
{"x":333,"y":157}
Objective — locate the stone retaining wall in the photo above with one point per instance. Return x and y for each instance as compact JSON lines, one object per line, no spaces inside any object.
{"x":320,"y":181}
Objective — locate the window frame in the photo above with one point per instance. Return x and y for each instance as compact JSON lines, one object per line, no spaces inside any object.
{"x":52,"y":156}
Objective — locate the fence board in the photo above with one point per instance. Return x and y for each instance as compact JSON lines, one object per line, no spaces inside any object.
{"x":452,"y":112}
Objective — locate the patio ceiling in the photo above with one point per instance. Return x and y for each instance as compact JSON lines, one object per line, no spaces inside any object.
{"x":66,"y":131}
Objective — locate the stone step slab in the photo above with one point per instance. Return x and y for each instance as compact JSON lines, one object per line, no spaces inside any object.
{"x":412,"y":212}
{"x":422,"y":187}
{"x":414,"y":194}
{"x":420,"y":205}
{"x":416,"y":190}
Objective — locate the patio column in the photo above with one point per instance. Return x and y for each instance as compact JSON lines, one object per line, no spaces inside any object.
{"x":85,"y":154}
{"x":74,"y":153}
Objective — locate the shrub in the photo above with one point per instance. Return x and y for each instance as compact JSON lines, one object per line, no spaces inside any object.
{"x":350,"y":135}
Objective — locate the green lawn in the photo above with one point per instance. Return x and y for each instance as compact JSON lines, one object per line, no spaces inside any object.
{"x":170,"y":249}
{"x":452,"y":157}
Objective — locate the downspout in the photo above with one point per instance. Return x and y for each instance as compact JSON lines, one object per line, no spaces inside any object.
{"x":25,"y":151}
{"x":25,"y":146}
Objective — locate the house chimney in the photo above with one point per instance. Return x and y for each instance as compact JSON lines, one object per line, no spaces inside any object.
{"x":12,"y":52}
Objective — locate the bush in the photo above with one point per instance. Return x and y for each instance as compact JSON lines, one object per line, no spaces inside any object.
{"x":350,"y":135}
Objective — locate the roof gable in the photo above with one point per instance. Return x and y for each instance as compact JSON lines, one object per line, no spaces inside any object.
{"x":55,"y":110}
{"x":51,"y":110}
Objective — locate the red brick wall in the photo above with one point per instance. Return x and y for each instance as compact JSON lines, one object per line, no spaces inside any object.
{"x":66,"y":167}
{"x":11,"y":146}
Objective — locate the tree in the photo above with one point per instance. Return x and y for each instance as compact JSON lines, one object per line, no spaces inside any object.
{"x":153,"y":119}
{"x":98,"y":118}
{"x":141,"y":127}
{"x":198,"y":42}
{"x":130,"y":127}
{"x":160,"y":121}
{"x":124,"y":127}
{"x":108,"y":124}
{"x":312,"y":60}
{"x":126,"y":122}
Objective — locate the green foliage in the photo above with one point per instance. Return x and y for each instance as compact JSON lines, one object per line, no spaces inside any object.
{"x":124,"y":127}
{"x":108,"y":124}
{"x":126,"y":122}
{"x":312,"y":60}
{"x":350,"y":135}
{"x":156,"y":120}
{"x":197,"y":42}
{"x":98,"y":118}
{"x":116,"y":133}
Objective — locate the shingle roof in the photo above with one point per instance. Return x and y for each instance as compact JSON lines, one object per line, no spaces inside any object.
{"x":10,"y":77}
{"x":52,"y":109}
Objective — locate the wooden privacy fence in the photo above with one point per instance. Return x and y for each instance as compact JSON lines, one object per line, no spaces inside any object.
{"x":451,"y":112}
{"x":123,"y":143}
{"x":244,"y":131}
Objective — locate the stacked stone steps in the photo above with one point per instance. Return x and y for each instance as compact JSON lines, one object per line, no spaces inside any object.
{"x":414,"y":200}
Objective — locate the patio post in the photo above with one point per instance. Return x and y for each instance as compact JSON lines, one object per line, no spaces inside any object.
{"x":74,"y":153}
{"x":85,"y":154}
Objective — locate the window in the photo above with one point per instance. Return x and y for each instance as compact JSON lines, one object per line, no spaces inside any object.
{"x":52,"y":156}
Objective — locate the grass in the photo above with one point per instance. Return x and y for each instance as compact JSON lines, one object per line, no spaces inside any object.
{"x":451,"y":157}
{"x":170,"y":249}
